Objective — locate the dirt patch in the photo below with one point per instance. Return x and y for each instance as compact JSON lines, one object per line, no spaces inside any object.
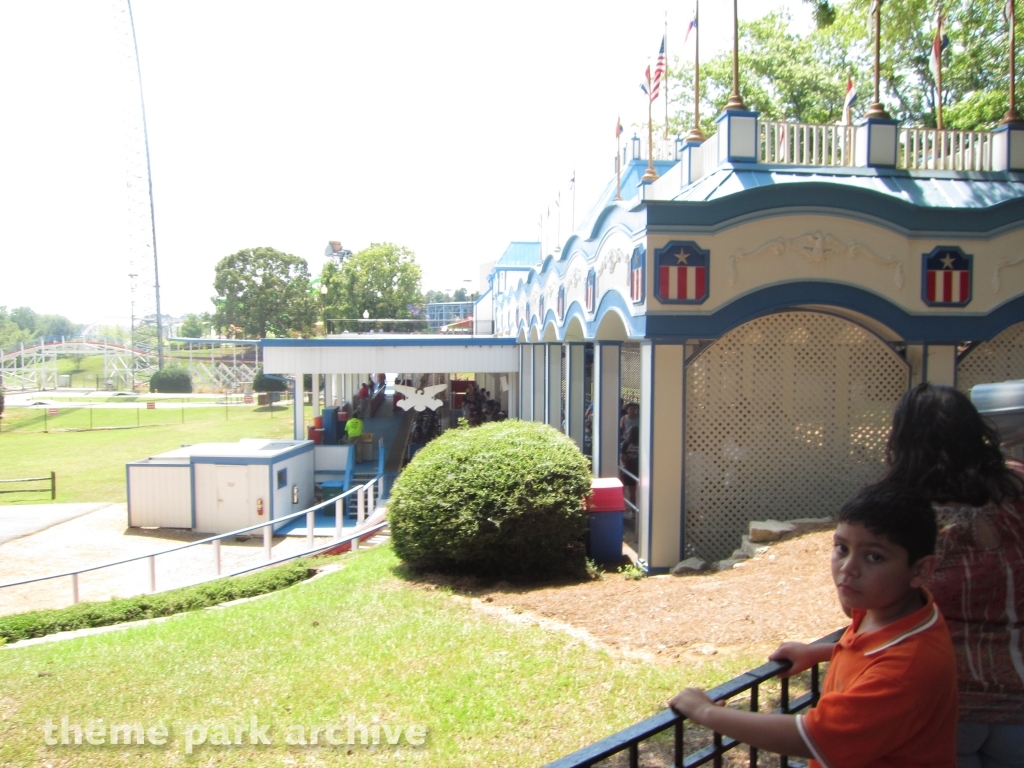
{"x":784,"y":594}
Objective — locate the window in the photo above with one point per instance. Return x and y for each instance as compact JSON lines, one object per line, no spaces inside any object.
{"x":282,"y":478}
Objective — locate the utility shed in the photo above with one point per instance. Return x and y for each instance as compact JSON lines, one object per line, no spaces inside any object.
{"x":221,"y":487}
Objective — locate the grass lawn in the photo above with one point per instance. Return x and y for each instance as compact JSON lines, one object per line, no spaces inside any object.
{"x":90,"y":466}
{"x":359,"y":644}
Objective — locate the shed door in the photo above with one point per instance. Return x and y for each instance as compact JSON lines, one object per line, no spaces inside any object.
{"x":232,"y":498}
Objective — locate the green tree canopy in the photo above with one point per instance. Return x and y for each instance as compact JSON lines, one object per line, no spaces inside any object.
{"x":787,"y":76}
{"x":24,"y":324}
{"x":196,"y":326}
{"x":261,"y":291}
{"x":382,"y":280}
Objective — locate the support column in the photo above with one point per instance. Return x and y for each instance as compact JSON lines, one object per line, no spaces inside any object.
{"x":940,"y":365}
{"x":662,"y":460}
{"x":539,"y":353}
{"x":315,"y":391}
{"x":605,"y":428}
{"x":298,"y":410}
{"x":328,"y":390}
{"x":574,"y":407}
{"x":553,"y":385}
{"x":525,"y":382}
{"x":512,"y":398}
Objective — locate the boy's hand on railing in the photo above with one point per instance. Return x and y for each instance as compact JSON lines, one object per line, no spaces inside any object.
{"x":802,"y":656}
{"x":691,"y":703}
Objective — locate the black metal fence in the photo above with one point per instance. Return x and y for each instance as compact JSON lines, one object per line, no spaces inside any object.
{"x":628,"y":743}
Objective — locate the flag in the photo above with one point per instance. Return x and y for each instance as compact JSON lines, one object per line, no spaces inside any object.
{"x":572,"y":181}
{"x":939,"y":44}
{"x":659,"y":71}
{"x":618,"y":127}
{"x":645,"y":86}
{"x":947,"y":277}
{"x":848,"y":102}
{"x":682,"y":274}
{"x":636,"y":276}
{"x":689,"y":29}
{"x":590,"y":295}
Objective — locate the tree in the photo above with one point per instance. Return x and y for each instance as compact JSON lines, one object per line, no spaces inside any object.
{"x":382,"y":280}
{"x":172,"y":379}
{"x":786,"y":76}
{"x":261,"y":291}
{"x":196,"y":326}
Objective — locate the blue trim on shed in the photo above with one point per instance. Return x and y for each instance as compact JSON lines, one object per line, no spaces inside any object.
{"x":931,"y":328}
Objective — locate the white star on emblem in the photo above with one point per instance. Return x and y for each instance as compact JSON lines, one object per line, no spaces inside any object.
{"x":681,"y":258}
{"x":947,"y":262}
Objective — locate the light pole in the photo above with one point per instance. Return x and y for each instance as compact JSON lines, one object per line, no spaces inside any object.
{"x":133,"y":276}
{"x":323,"y":304}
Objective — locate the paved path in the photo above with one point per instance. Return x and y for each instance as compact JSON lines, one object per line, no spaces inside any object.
{"x":17,"y":520}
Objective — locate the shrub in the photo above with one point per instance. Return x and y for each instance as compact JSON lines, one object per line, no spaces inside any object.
{"x":22,"y":626}
{"x":172,"y":379}
{"x":261,"y":383}
{"x":504,"y":499}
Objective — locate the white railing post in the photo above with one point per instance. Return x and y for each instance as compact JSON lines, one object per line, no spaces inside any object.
{"x":152,"y":573}
{"x":360,"y":505}
{"x":339,"y":520}
{"x":370,"y":506}
{"x":355,"y":544}
{"x":216,"y":555}
{"x":268,"y":541}
{"x":380,"y":487}
{"x":310,"y":523}
{"x":74,"y":588}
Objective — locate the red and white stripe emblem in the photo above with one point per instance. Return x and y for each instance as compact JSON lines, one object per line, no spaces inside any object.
{"x":637,"y":284}
{"x":686,"y":283}
{"x":948,"y":286}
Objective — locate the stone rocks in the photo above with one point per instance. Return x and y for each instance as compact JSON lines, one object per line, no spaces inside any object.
{"x":689,"y":565}
{"x":769,"y":530}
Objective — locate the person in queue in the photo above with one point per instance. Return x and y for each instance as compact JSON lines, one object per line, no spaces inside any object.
{"x":942,"y":447}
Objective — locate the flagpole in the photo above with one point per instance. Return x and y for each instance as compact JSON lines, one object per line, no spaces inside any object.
{"x":938,"y":75}
{"x":735,"y":101}
{"x":664,"y":75}
{"x":1012,"y":115}
{"x":650,"y":174}
{"x":618,"y":160}
{"x":696,"y":135}
{"x":876,"y":110}
{"x":573,"y":199}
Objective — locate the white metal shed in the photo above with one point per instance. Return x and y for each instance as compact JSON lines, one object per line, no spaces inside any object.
{"x":221,"y":487}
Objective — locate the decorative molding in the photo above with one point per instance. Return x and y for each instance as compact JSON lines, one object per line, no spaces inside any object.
{"x":817,"y":248}
{"x":576,"y":277}
{"x":611,"y":259}
{"x":1004,"y":264}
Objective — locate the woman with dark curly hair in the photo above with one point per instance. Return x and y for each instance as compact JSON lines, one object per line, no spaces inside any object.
{"x":941,"y":446}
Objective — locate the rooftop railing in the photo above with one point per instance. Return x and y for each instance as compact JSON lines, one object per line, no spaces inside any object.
{"x":629,"y":742}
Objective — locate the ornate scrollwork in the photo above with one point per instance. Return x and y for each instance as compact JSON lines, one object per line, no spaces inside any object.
{"x":1004,"y":264}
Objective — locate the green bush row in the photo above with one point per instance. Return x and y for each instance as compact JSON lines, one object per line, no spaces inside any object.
{"x":22,"y":626}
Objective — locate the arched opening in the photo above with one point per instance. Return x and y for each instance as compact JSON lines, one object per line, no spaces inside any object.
{"x":574,"y":330}
{"x":786,"y":416}
{"x":611,"y":328}
{"x":999,"y":359}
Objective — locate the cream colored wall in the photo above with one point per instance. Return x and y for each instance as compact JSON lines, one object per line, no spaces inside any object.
{"x":160,"y":496}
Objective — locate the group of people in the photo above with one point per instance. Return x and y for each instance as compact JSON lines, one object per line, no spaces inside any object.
{"x":478,"y":406}
{"x":929,"y":565}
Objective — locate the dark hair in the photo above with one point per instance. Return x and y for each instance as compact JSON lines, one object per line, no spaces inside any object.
{"x":941,"y":446}
{"x":903,"y":515}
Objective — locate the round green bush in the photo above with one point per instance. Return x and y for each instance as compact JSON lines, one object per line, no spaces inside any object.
{"x":260,"y":383}
{"x":502,"y":499}
{"x":172,"y":379}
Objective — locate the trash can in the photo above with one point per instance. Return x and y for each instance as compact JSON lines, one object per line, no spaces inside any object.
{"x":316,"y":435}
{"x":606,"y":507}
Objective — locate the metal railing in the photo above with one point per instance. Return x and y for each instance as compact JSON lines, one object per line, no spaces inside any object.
{"x":630,"y":505}
{"x":52,"y":480}
{"x":935,"y":150}
{"x":629,"y":739}
{"x":364,"y":508}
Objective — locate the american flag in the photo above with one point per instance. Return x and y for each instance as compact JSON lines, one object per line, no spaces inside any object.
{"x":636,"y":276}
{"x":561,"y":302}
{"x":689,"y":29}
{"x":591,"y":293}
{"x":659,"y":71}
{"x":683,"y":274}
{"x":618,"y":127}
{"x":947,"y":278}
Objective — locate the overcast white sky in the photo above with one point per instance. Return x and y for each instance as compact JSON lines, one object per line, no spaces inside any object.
{"x":445,"y":127}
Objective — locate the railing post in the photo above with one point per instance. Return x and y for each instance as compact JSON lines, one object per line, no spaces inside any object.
{"x":216,"y":555}
{"x":152,"y":573}
{"x":310,"y":524}
{"x":355,"y":544}
{"x":53,"y":485}
{"x":74,"y":588}
{"x":267,"y":541}
{"x":339,"y":521}
{"x":380,"y":487}
{"x":360,"y":505}
{"x":369,"y":501}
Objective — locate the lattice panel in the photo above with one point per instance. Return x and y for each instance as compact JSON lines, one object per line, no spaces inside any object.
{"x":1000,"y":359}
{"x":629,"y":389}
{"x":786,"y":416}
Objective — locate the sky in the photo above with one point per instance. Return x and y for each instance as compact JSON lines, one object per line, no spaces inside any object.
{"x":449,"y":128}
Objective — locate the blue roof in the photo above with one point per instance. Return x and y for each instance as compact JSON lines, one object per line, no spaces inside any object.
{"x":520,"y":254}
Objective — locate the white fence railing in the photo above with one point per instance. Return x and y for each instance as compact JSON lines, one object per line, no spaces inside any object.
{"x":934,"y":150}
{"x":364,"y":493}
{"x":782,"y":143}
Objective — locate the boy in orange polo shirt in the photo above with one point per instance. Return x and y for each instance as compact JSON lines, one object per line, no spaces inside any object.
{"x":890,"y":694}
